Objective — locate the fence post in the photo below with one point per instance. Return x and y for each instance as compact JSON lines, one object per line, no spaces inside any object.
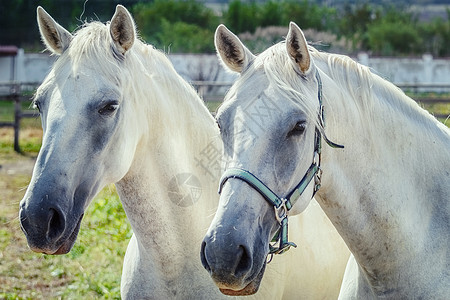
{"x":17,"y":116}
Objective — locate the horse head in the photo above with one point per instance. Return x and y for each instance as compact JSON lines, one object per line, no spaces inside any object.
{"x":88,"y":142}
{"x":269,"y":124}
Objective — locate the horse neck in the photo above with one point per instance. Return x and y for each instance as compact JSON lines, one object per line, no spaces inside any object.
{"x":389,"y":186}
{"x":178,"y":129}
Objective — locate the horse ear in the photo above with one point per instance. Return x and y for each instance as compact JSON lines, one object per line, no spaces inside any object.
{"x":122,"y":29}
{"x":54,"y":36}
{"x":297,"y":48}
{"x":231,"y":51}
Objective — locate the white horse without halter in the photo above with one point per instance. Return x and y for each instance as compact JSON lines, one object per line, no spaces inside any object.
{"x":114,"y":110}
{"x":387,"y":191}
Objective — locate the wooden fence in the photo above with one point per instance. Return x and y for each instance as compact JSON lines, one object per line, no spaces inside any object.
{"x":14,"y":92}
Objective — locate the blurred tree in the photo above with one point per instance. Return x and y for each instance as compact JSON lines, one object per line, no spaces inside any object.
{"x":356,"y":18}
{"x":354,"y":22}
{"x":395,"y":31}
{"x":271,"y":14}
{"x":181,"y":37}
{"x":188,"y":25}
{"x":436,"y":34}
{"x":389,"y":37}
{"x":307,"y":14}
{"x":18,"y":17}
{"x":242,"y":17}
{"x":157,"y":19}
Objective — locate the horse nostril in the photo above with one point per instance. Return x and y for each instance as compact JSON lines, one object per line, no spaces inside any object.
{"x":55,"y":224}
{"x":244,"y":262}
{"x":203,"y":258}
{"x":227,"y":265}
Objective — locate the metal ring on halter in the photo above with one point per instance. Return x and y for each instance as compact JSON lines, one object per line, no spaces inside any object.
{"x":281,"y":212}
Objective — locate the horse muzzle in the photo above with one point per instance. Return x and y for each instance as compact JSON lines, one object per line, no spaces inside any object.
{"x":250,"y":289}
{"x":49,"y":231}
{"x":235,"y":270}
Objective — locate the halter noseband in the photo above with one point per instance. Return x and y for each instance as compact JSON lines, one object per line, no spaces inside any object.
{"x":282,"y":205}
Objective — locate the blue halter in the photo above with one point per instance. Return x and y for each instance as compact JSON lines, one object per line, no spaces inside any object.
{"x":282,"y":205}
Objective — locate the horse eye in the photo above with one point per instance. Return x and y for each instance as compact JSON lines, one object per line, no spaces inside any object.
{"x":37,"y":106}
{"x":298,"y":129}
{"x":108,"y":109}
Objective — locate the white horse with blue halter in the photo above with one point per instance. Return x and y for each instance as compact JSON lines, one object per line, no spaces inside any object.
{"x":386,"y":193}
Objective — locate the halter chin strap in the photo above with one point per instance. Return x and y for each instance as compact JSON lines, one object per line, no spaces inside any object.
{"x":282,"y":205}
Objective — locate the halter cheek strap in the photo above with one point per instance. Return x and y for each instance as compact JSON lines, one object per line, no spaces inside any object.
{"x":282,"y":205}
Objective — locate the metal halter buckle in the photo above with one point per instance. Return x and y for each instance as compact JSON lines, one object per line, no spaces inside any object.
{"x":281,"y":212}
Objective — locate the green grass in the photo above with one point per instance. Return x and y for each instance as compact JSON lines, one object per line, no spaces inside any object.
{"x":434,"y":108}
{"x":91,"y":270}
{"x":213,"y":106}
{"x":30,"y":145}
{"x":6,"y":110}
{"x":442,"y":108}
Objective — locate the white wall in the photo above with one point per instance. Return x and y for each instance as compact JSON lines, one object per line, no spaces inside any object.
{"x":424,"y":70}
{"x":29,"y":67}
{"x":33,"y":67}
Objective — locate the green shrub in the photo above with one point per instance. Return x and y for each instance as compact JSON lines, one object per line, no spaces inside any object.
{"x":241,"y":17}
{"x":164,"y":23}
{"x":182,"y":37}
{"x":393,"y":37}
{"x":308,"y":15}
{"x":436,"y":34}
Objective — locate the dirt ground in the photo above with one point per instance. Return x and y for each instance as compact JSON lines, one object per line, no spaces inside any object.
{"x":15,"y":171}
{"x":17,"y":165}
{"x":12,"y":163}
